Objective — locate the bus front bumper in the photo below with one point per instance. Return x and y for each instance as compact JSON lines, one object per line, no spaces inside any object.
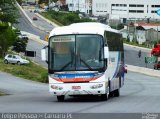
{"x":78,"y":88}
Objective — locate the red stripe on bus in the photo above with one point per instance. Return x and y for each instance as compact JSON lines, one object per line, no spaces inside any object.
{"x":75,"y":79}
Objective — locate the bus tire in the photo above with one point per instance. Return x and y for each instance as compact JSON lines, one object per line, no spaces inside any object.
{"x":111,"y":93}
{"x":60,"y":98}
{"x":117,"y":93}
{"x":104,"y":97}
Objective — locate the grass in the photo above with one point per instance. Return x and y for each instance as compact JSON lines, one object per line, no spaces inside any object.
{"x":30,"y":71}
{"x":1,"y":94}
{"x":135,"y":44}
{"x":144,"y":45}
{"x":64,"y":18}
{"x":48,"y":16}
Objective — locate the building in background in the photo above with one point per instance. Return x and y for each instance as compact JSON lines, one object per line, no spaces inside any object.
{"x":83,"y":6}
{"x":142,"y":32}
{"x":127,"y":9}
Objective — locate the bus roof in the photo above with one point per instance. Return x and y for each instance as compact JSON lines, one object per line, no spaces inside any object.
{"x":83,"y":28}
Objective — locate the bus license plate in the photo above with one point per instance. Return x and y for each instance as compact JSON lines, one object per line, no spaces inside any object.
{"x":76,"y":87}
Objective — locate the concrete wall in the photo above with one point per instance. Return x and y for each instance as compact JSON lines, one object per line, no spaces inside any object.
{"x":141,"y":36}
{"x":79,"y":5}
{"x":123,"y":8}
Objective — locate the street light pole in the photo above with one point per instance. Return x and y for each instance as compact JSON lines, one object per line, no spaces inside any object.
{"x":48,"y":4}
{"x":72,"y":5}
{"x":135,"y":24}
{"x":78,"y":5}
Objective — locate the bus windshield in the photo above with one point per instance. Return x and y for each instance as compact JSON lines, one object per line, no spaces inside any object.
{"x":76,"y":53}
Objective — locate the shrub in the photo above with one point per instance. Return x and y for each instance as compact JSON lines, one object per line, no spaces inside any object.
{"x":20,"y":45}
{"x":7,"y":38}
{"x":65,"y":18}
{"x":44,"y":77}
{"x":120,"y":26}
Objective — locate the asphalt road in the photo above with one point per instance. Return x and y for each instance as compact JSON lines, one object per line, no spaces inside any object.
{"x":131,"y":57}
{"x":140,"y":94}
{"x":40,"y":22}
{"x":25,"y":25}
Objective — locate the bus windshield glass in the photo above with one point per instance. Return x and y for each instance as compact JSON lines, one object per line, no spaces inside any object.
{"x":76,"y":53}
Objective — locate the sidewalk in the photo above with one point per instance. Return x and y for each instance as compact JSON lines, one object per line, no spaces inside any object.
{"x":35,"y":38}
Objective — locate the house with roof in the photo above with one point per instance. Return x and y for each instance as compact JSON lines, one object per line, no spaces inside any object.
{"x":142,"y":32}
{"x":152,"y":31}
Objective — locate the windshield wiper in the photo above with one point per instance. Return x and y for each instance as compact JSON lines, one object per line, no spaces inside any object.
{"x":70,"y":62}
{"x":66,"y":65}
{"x":86,"y":64}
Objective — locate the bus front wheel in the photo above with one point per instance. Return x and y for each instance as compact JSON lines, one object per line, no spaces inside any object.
{"x":104,"y":97}
{"x":117,"y":93}
{"x":60,"y":98}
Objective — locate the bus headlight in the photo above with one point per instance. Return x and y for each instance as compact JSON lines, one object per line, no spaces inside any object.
{"x":96,"y":86}
{"x":56,"y":87}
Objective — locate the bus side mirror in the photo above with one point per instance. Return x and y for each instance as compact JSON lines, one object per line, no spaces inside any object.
{"x":43,"y":54}
{"x":106,"y":52}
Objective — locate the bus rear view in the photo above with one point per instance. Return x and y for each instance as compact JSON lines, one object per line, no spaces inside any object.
{"x":77,"y":63}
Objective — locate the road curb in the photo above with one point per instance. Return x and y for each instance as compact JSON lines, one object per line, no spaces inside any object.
{"x":40,"y":28}
{"x":50,"y":22}
{"x":137,"y":47}
{"x":35,"y":38}
{"x":142,"y":70}
{"x":24,"y":13}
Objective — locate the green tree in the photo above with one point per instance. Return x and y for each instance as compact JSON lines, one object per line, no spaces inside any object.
{"x":8,"y":16}
{"x":46,"y":1}
{"x":7,"y":38}
{"x":20,"y":1}
{"x":20,"y":45}
{"x":43,"y":1}
{"x":8,"y":11}
{"x":120,"y":26}
{"x":53,"y":1}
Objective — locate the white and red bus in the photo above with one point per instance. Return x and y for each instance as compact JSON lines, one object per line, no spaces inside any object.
{"x":85,"y":59}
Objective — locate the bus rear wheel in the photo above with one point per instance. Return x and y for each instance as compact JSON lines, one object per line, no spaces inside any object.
{"x":60,"y":98}
{"x":117,"y":93}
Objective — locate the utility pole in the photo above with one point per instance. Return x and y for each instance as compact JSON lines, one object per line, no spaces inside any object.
{"x":48,"y":4}
{"x":78,"y":5}
{"x":135,"y":23}
{"x":72,"y":5}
